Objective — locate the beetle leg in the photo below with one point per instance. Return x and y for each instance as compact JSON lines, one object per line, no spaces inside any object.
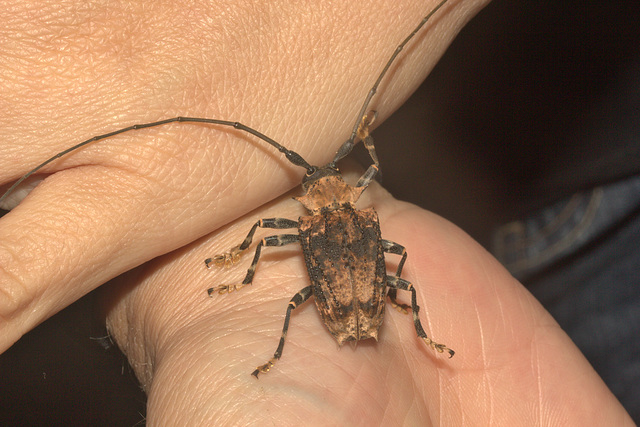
{"x":394,"y":248}
{"x":233,"y":255}
{"x":367,"y":140}
{"x":398,"y":283}
{"x":297,"y":299}
{"x":279,"y":240}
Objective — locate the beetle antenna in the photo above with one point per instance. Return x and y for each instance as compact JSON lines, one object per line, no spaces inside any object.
{"x":346,"y":148}
{"x":291,"y":155}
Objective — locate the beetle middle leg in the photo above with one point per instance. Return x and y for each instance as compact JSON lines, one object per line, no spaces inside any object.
{"x":279,"y":240}
{"x":394,"y":248}
{"x":297,"y":299}
{"x":398,"y":283}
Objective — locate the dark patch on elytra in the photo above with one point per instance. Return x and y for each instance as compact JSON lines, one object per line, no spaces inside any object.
{"x":342,"y":251}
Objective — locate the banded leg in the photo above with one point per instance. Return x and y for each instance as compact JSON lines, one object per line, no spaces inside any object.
{"x":398,"y":283}
{"x":362,"y":131}
{"x":233,"y":255}
{"x":367,"y":140}
{"x":297,"y":299}
{"x":279,"y":240}
{"x":394,"y":248}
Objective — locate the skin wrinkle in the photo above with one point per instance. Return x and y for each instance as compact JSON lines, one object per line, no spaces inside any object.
{"x":341,"y":392}
{"x":87,"y":209}
{"x":389,"y":412}
{"x":497,"y":298}
{"x":440,"y":409}
{"x":388,"y":409}
{"x":163,"y":340}
{"x":414,"y":407}
{"x":12,"y":304}
{"x":148,"y":335}
{"x":389,"y":372}
{"x":483,"y":352}
{"x":459,"y":401}
{"x":381,"y":402}
{"x":357,"y":389}
{"x":137,"y":347}
{"x":63,"y":41}
{"x":487,"y":368}
{"x":535,"y":363}
{"x":29,"y":297}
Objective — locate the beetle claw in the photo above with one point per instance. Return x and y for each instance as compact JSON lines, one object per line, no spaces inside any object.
{"x":402,"y":308}
{"x":226,"y":289}
{"x":263,"y":368}
{"x":226,"y":259}
{"x":440,"y":348}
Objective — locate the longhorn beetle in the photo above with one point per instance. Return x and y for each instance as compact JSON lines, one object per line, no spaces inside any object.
{"x":342,"y":246}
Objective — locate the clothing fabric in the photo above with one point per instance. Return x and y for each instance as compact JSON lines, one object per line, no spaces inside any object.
{"x":580,"y":257}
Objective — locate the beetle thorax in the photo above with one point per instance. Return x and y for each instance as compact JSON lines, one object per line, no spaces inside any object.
{"x":329,"y":193}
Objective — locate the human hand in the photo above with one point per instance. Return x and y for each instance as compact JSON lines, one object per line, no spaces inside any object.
{"x":194,"y":354}
{"x":70,"y":70}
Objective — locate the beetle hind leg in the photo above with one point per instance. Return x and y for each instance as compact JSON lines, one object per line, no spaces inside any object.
{"x":395,"y":282}
{"x":401,"y":307}
{"x":297,"y":299}
{"x":394,"y":248}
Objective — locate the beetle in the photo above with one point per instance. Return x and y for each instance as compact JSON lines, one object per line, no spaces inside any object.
{"x":342,"y":246}
{"x":344,"y":255}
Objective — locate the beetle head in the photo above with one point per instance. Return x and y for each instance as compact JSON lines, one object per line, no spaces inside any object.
{"x":325,"y":189}
{"x":316,"y":173}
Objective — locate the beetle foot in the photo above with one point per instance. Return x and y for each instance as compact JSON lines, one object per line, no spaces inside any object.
{"x":263,"y":368}
{"x":440,"y":348}
{"x":402,"y":308}
{"x":226,"y":259}
{"x":225,"y":289}
{"x":367,"y":121}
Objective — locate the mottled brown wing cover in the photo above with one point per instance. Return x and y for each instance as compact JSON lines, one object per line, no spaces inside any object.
{"x":346,"y":265}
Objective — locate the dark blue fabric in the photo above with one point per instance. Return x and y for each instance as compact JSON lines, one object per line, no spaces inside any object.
{"x":581,"y":259}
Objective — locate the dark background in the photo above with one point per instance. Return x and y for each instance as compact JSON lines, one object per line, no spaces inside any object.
{"x":534,"y":100}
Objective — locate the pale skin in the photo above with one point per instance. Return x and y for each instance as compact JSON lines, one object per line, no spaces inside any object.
{"x":298,"y":74}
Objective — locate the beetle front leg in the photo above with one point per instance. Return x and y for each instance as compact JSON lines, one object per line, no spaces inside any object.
{"x":297,"y":299}
{"x":233,"y":255}
{"x":367,"y":140}
{"x":279,"y":240}
{"x":398,"y":283}
{"x":394,"y":248}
